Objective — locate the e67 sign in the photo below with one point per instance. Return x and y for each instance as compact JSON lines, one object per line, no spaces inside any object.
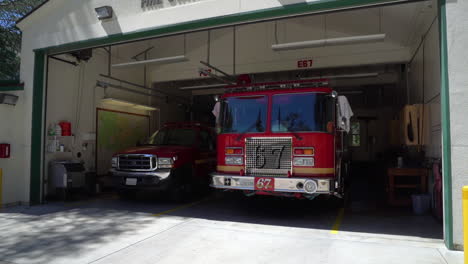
{"x":305,"y":63}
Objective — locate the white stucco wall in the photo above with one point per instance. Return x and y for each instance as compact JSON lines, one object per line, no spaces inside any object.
{"x":457,"y":39}
{"x":12,"y":131}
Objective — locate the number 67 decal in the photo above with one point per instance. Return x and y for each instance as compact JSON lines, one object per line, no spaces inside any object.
{"x":264,"y":184}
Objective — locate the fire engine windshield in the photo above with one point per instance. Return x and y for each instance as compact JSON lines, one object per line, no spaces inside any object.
{"x":301,"y":112}
{"x":244,"y":114}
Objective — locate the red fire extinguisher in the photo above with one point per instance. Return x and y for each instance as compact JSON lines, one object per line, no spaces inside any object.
{"x":4,"y":151}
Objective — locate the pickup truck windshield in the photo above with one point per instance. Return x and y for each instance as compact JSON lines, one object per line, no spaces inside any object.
{"x":173,"y":136}
{"x":244,"y":114}
{"x":304,"y":112}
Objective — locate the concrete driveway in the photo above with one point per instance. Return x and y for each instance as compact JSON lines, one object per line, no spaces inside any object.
{"x":217,"y":229}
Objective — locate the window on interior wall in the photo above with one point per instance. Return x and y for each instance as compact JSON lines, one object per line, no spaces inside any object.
{"x":355,"y":134}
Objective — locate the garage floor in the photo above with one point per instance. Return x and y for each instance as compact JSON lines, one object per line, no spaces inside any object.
{"x":219,"y":228}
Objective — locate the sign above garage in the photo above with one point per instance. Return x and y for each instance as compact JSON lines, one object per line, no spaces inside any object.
{"x":149,"y":4}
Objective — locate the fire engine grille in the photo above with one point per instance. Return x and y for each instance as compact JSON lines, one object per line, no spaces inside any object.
{"x":137,"y":162}
{"x":268,"y":156}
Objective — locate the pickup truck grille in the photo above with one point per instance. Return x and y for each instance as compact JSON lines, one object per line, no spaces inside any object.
{"x":137,"y":162}
{"x":268,"y":156}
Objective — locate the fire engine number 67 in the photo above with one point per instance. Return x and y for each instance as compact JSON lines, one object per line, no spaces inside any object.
{"x":281,"y":139}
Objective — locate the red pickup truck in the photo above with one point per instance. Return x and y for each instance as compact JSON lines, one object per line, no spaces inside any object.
{"x":176,"y":159}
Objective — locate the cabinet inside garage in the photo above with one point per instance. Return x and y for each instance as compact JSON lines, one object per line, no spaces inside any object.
{"x":385,"y":60}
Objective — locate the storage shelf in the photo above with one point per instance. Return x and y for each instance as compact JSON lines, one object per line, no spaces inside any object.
{"x":400,"y":194}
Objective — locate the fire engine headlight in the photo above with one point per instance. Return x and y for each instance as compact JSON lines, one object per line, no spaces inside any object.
{"x":323,"y":185}
{"x":115,"y":160}
{"x":301,"y":161}
{"x":234,"y":160}
{"x":310,"y":186}
{"x":165,"y":163}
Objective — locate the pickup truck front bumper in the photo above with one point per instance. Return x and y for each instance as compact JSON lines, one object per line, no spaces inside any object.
{"x":154,"y":180}
{"x":277,"y":184}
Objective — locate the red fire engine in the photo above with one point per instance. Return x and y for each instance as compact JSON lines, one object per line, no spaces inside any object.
{"x":280,"y":139}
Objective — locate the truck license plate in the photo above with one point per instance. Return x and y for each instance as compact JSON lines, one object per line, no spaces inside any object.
{"x":131,"y":181}
{"x":264,"y":184}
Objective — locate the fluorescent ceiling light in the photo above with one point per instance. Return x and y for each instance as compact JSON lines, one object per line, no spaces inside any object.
{"x":145,"y":107}
{"x":201,"y":87}
{"x":118,"y":102}
{"x":164,"y":60}
{"x":328,"y":42}
{"x":344,"y":76}
{"x":104,"y":12}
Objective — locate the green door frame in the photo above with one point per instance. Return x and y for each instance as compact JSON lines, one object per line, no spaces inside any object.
{"x":320,"y":6}
{"x":37,"y":127}
{"x":445,"y":117}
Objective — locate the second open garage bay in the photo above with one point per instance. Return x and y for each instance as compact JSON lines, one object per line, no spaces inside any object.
{"x":221,"y":227}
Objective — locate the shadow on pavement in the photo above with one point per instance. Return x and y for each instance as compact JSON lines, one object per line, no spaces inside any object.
{"x":74,"y":227}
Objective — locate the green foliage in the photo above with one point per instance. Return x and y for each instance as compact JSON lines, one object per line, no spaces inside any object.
{"x":10,"y":36}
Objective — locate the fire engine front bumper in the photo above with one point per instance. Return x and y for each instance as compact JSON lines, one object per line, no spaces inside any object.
{"x":273,"y":184}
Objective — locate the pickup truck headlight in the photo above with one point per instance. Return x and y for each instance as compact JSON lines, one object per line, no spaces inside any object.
{"x":165,"y":163}
{"x":234,"y":160}
{"x":115,"y":160}
{"x":300,"y":161}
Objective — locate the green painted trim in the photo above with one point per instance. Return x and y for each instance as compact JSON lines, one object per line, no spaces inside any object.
{"x":446,"y":141}
{"x":11,"y":85}
{"x":264,"y":14}
{"x":9,"y":82}
{"x":10,"y":88}
{"x":36,"y":130}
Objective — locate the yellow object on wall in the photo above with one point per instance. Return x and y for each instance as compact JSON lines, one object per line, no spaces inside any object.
{"x":465,"y":219}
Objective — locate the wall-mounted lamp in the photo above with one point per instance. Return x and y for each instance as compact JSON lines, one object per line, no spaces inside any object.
{"x":8,"y":99}
{"x":104,"y":12}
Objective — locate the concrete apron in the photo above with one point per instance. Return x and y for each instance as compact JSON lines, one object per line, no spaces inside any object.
{"x":124,"y":232}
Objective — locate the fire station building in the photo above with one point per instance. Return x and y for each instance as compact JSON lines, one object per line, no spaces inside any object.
{"x":401,"y":64}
